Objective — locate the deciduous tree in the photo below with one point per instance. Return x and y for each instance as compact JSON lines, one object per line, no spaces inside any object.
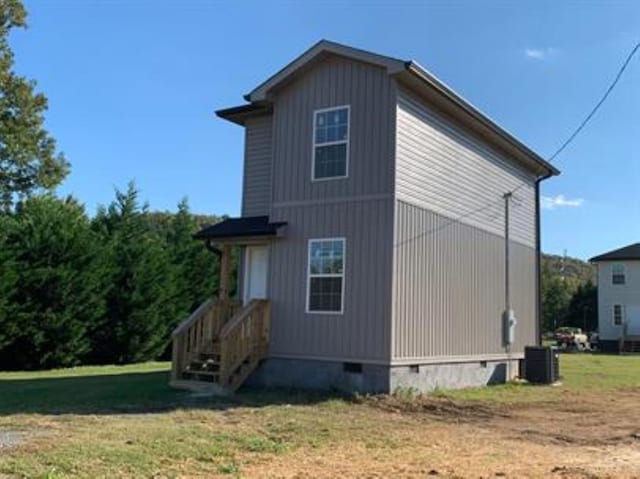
{"x":29,"y":161}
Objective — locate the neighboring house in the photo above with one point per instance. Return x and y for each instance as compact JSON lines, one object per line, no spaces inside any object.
{"x":372,"y":236}
{"x":619,"y":299}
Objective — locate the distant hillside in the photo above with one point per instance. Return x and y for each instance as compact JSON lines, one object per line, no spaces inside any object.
{"x":573,"y":267}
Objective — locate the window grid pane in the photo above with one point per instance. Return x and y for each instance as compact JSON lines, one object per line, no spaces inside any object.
{"x":330,"y":143}
{"x":331,"y":160}
{"x":619,"y":279}
{"x":326,"y":268}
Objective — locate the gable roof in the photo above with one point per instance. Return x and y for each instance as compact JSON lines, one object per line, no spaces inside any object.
{"x":412,"y":75}
{"x":320,"y":49}
{"x":631,"y":252}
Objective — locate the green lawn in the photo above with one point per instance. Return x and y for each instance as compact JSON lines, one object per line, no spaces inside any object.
{"x":580,"y":373}
{"x":126,"y":422}
{"x":92,"y":389}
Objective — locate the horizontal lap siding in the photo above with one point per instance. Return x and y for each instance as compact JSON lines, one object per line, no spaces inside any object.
{"x":256,"y":198}
{"x":609,"y":294}
{"x":362,"y":333}
{"x":443,"y":169}
{"x":449,"y":290}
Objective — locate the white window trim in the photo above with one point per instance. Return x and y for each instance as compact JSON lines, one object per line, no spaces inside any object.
{"x":329,"y":143}
{"x":624,"y":273}
{"x":343,"y":275}
{"x":613,"y":315}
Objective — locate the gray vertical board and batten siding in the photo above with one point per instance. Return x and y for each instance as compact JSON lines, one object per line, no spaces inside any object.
{"x":335,"y":81}
{"x":256,"y":188}
{"x":449,"y":280}
{"x":361,"y":333}
{"x":358,"y":208}
{"x":434,"y":297}
{"x":450,"y":289}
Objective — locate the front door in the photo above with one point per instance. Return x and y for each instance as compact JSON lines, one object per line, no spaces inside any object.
{"x":633,"y":320}
{"x":256,"y":261}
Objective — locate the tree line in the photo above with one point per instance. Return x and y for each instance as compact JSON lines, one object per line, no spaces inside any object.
{"x":569,"y":294}
{"x":110,"y":288}
{"x":107,"y":289}
{"x":75,"y":289}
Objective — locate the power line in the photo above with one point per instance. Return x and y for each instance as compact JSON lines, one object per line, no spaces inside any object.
{"x":598,"y":105}
{"x":564,"y":145}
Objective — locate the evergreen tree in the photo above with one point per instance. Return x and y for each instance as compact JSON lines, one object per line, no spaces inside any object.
{"x":582,"y":311}
{"x":141,"y":297}
{"x":556,"y":295}
{"x":8,"y":276}
{"x":196,"y":267}
{"x":58,"y":284}
{"x":28,"y":158}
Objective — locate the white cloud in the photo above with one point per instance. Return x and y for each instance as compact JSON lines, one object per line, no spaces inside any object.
{"x":559,"y":201}
{"x":539,"y":53}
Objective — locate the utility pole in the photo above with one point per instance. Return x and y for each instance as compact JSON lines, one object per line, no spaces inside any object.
{"x":507,"y":286}
{"x":563,"y":265}
{"x":508,"y":320}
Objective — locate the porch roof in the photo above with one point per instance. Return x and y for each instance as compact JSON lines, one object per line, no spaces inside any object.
{"x":252,"y":226}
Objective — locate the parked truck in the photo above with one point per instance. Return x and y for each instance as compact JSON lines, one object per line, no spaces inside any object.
{"x":571,"y":338}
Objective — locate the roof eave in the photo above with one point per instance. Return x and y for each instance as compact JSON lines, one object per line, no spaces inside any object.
{"x":239,"y":114}
{"x":441,"y":88}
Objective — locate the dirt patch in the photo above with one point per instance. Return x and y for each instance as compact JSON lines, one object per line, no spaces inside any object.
{"x":440,"y":409}
{"x":12,"y":438}
{"x":582,"y":435}
{"x":583,"y":420}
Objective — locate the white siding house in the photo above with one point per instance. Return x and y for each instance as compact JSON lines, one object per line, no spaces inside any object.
{"x":618,"y":296}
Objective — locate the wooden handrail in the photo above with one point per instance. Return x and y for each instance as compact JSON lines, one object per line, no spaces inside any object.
{"x":198,"y":332}
{"x":197,"y":314}
{"x":244,"y":341}
{"x":240,"y":317}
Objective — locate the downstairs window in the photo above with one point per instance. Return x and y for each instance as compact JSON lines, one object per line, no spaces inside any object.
{"x":325,"y":284}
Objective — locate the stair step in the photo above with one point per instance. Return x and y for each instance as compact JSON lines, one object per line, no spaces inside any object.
{"x":209,"y":364}
{"x":631,"y":347}
{"x":210,"y":356}
{"x":204,"y":376}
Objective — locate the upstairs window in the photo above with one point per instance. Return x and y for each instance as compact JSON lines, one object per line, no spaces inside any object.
{"x":325,"y":287}
{"x":330,"y":143}
{"x":618,"y":315}
{"x":618,"y":274}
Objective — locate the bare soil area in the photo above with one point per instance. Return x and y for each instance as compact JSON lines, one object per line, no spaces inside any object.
{"x":582,"y":436}
{"x":125,"y":422}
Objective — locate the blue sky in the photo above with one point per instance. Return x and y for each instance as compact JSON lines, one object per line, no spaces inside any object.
{"x":133,"y":84}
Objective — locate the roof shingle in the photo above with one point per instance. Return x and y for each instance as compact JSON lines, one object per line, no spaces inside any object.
{"x":630,"y":252}
{"x":240,"y":227}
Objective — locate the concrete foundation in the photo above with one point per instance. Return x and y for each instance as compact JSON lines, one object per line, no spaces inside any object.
{"x":320,"y":375}
{"x":429,"y":377}
{"x":609,"y":346}
{"x":377,"y":379}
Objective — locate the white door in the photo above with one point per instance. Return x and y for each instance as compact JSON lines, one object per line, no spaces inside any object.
{"x":633,"y":318}
{"x":256,"y":261}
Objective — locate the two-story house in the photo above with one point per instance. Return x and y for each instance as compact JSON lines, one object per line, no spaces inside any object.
{"x":619,"y":299}
{"x":376,"y":208}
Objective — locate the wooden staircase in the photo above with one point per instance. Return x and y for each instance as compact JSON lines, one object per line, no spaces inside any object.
{"x":630,"y":345}
{"x":219,"y":345}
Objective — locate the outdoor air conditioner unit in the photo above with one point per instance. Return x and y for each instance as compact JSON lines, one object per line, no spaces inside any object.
{"x":541,"y":365}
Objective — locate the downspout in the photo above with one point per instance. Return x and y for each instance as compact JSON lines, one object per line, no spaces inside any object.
{"x":209,"y":245}
{"x":539,"y":260}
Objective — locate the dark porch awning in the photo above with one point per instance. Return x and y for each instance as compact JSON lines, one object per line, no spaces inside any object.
{"x":253,"y":226}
